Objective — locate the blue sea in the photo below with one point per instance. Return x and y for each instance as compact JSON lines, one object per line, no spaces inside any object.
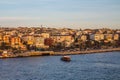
{"x":99,"y":66}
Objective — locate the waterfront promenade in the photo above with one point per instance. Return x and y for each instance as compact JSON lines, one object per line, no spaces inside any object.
{"x":86,"y":52}
{"x":48,"y":53}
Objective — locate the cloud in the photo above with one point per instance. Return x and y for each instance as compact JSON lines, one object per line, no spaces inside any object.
{"x":18,"y":18}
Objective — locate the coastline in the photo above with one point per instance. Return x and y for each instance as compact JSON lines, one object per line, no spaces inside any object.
{"x":52,"y":53}
{"x":87,"y":51}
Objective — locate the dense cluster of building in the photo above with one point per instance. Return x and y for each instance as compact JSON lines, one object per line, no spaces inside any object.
{"x":41,"y":38}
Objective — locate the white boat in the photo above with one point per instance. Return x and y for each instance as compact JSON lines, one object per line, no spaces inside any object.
{"x":66,"y":58}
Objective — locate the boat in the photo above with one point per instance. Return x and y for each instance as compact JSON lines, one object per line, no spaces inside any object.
{"x":66,"y":58}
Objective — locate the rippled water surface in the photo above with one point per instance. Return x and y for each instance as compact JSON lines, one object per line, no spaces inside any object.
{"x":101,"y":66}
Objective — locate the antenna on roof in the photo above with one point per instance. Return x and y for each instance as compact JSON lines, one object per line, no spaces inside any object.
{"x":0,"y":26}
{"x":41,"y":26}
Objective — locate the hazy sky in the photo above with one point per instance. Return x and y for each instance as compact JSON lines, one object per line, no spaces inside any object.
{"x":60,"y":13}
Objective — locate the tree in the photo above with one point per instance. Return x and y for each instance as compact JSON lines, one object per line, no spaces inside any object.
{"x":4,"y":46}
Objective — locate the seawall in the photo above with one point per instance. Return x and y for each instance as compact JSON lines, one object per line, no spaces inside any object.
{"x":48,"y":53}
{"x":87,"y":51}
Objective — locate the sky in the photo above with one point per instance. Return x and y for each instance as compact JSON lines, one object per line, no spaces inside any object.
{"x":60,"y":13}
